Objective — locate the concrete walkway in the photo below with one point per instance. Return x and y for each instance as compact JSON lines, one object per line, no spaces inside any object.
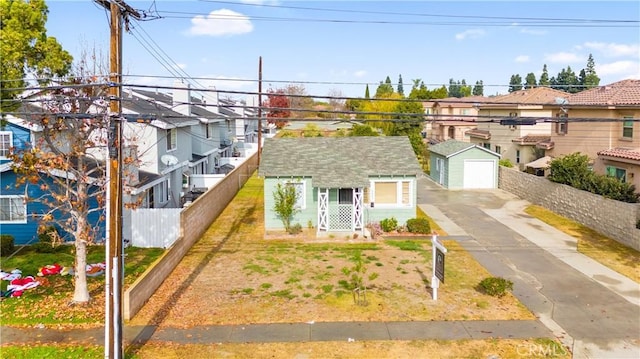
{"x":293,"y":332}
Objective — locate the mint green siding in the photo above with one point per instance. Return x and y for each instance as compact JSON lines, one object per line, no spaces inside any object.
{"x":453,"y":166}
{"x":310,"y":212}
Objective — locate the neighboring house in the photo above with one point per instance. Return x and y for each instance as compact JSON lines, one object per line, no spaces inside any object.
{"x":613,"y":141}
{"x":20,"y":206}
{"x":462,"y":165}
{"x":517,"y":126}
{"x":451,"y":117}
{"x":343,"y":183}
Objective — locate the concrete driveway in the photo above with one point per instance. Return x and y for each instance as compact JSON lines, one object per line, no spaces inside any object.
{"x":592,"y":309}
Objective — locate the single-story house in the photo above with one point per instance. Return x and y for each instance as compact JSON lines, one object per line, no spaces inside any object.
{"x":344,"y":183}
{"x":463,"y":165}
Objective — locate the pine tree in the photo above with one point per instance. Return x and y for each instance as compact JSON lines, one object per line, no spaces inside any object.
{"x":478,"y":89}
{"x":366,"y":92}
{"x":400,"y":86}
{"x":591,"y":79}
{"x":515,"y":84}
{"x":544,"y":78}
{"x":530,"y":81}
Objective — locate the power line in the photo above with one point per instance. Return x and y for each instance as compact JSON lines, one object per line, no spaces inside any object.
{"x":387,"y":13}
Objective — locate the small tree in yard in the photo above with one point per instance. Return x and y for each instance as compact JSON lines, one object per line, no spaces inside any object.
{"x":64,"y":162}
{"x":285,"y":198}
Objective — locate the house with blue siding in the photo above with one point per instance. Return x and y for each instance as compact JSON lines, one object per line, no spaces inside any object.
{"x":343,"y":183}
{"x":20,"y":207}
{"x":463,"y":165}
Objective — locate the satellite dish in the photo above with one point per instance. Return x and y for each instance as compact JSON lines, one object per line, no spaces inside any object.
{"x":561,"y":101}
{"x":169,"y":160}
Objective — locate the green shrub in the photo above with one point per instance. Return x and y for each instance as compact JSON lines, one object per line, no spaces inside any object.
{"x":295,"y":228}
{"x":48,"y":235}
{"x":496,"y":286}
{"x":505,"y":163}
{"x":7,"y":244}
{"x":389,"y":224}
{"x":418,"y":225}
{"x":43,"y":247}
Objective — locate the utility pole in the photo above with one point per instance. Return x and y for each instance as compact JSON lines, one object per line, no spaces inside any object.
{"x":114,"y":275}
{"x":259,"y":109}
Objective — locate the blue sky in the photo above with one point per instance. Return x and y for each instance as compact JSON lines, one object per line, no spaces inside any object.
{"x":349,"y":43}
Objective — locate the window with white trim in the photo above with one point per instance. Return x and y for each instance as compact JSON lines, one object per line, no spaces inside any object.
{"x":13,"y":209}
{"x":172,"y":139}
{"x":391,"y":193}
{"x":300,"y":194}
{"x":627,"y":127}
{"x":162,"y":192}
{"x":6,"y":141}
{"x":209,"y":128}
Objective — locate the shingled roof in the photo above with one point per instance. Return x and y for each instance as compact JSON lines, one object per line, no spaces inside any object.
{"x":339,"y":162}
{"x":449,"y":148}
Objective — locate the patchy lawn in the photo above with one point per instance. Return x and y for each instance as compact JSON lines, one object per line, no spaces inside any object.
{"x":42,"y":304}
{"x":598,"y":247}
{"x":233,"y":276}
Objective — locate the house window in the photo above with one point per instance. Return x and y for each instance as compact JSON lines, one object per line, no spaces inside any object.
{"x":172,"y":139}
{"x":627,"y":128}
{"x":13,"y":209}
{"x":498,"y":149}
{"x":562,"y":126}
{"x":209,"y":130}
{"x":345,"y":196}
{"x":619,"y":173}
{"x":163,"y":192}
{"x":486,"y":145}
{"x":6,"y":139}
{"x":392,"y":193}
{"x":300,"y":191}
{"x":517,"y":156}
{"x":513,"y":114}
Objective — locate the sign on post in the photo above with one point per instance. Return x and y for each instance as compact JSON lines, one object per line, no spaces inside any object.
{"x":438,"y":251}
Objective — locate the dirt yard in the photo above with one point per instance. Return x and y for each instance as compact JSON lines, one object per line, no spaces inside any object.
{"x":233,"y":275}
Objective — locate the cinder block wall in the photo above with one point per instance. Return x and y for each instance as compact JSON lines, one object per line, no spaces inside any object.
{"x":614,"y":219}
{"x":194,"y":221}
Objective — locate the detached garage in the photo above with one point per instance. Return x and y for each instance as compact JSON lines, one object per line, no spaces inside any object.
{"x":463,"y":165}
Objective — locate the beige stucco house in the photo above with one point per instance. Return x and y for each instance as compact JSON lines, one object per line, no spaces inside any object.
{"x":517,"y":125}
{"x":603,"y":123}
{"x":450,"y":118}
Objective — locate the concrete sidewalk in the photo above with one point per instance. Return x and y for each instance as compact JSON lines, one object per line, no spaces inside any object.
{"x":290,"y":332}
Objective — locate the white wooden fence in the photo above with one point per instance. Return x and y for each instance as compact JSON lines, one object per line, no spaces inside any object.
{"x":153,"y":227}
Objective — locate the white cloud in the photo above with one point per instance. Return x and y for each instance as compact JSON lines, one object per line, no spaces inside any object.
{"x":181,"y":66}
{"x":472,"y":34}
{"x":533,"y":32}
{"x":360,"y":73}
{"x":522,"y":58}
{"x":619,"y":68}
{"x":563,"y":57}
{"x":614,"y":50}
{"x":220,"y":23}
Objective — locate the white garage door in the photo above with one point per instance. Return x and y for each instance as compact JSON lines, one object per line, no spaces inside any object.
{"x":479,"y":174}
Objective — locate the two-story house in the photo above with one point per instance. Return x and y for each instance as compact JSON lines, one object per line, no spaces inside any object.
{"x":602,"y":123}
{"x":517,"y":125}
{"x":451,"y":117}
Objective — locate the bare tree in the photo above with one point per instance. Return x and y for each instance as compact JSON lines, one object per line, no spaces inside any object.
{"x":66,"y":159}
{"x":336,"y":100}
{"x":298,"y":100}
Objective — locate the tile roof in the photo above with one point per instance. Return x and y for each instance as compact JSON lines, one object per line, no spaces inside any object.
{"x":625,"y":92}
{"x":537,"y":95}
{"x":451,"y":147}
{"x":339,"y":162}
{"x":483,"y":134}
{"x":531,"y":139}
{"x":623,"y":153}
